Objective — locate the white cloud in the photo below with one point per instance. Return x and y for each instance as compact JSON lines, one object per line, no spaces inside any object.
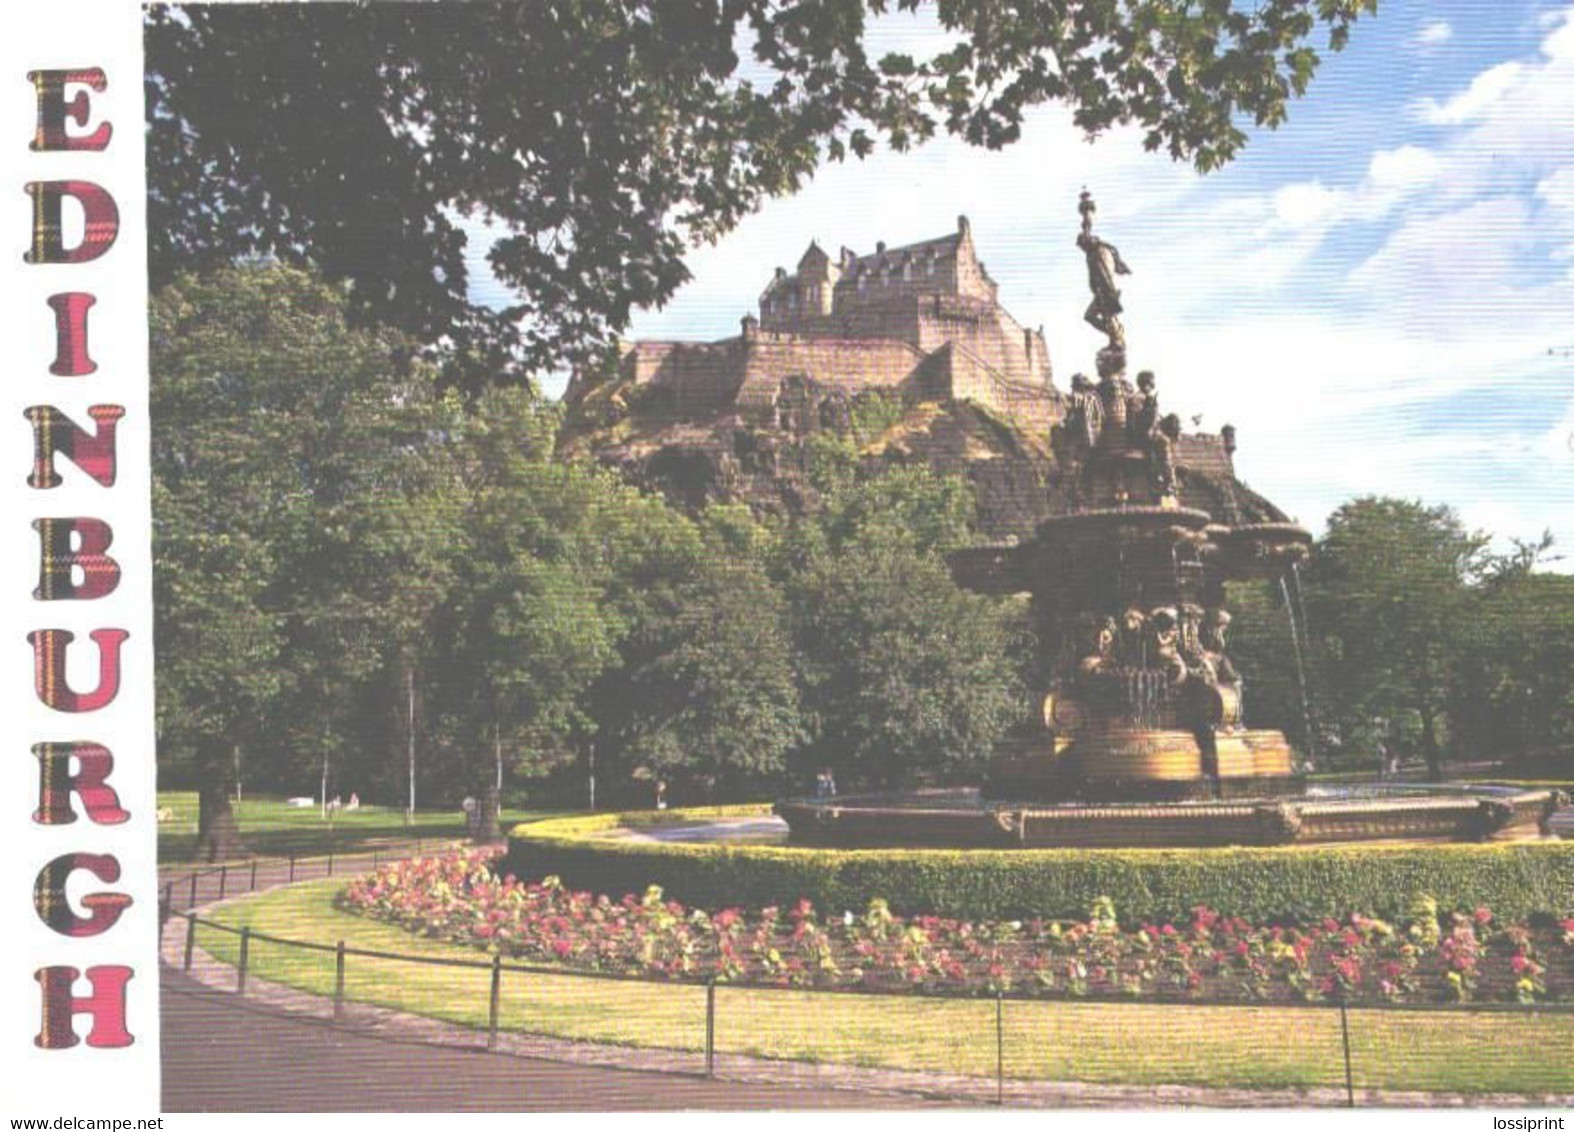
{"x":1484,"y":90}
{"x":1308,"y":204}
{"x":1434,"y":33}
{"x":1404,"y":169}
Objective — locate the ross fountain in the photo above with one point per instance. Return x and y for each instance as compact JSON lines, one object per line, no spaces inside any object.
{"x":1142,"y":739}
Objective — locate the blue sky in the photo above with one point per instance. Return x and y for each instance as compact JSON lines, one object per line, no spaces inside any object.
{"x":1379,"y":295}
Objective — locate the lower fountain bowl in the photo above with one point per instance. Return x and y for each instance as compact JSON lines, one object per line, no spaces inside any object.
{"x":966,"y":819}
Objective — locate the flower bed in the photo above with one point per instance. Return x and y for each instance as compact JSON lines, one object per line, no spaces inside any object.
{"x":1463,"y":958}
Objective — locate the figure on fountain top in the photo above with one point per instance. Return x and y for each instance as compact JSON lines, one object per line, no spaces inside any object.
{"x":1104,"y":264}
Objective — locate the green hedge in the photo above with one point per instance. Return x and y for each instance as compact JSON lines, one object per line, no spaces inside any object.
{"x":1515,"y":879}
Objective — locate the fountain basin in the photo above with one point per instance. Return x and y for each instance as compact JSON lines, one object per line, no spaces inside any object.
{"x":965,"y":819}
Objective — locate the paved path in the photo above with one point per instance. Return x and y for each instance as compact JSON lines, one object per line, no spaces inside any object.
{"x":221,"y":1055}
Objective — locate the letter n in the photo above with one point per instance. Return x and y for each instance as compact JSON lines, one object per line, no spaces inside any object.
{"x":106,"y":1005}
{"x":101,"y":221}
{"x":54,"y":432}
{"x":49,"y":668}
{"x":90,"y":783}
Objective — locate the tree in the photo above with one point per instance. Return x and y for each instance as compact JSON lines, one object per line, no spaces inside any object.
{"x":705,"y":688}
{"x":284,"y":445}
{"x":604,"y":137}
{"x":905,"y":676}
{"x":526,"y":628}
{"x":1515,"y":679}
{"x":1388,"y":590}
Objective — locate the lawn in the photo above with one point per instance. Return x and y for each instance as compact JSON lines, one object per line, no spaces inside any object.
{"x":1105,"y":1042}
{"x":272,"y":827}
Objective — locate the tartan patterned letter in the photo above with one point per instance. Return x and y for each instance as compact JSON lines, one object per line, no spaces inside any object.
{"x":107,"y":1005}
{"x":49,"y":668}
{"x":56,"y":558}
{"x":103,"y":908}
{"x":54,"y":432}
{"x":53,"y":109}
{"x":101,"y":222}
{"x":71,"y":358}
{"x":90,"y":783}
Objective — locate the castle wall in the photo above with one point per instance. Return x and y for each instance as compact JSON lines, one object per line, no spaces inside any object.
{"x":1033,"y":407}
{"x":697,"y":377}
{"x":851,"y":364}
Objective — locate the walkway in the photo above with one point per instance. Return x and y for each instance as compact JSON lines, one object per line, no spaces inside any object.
{"x":224,"y":1055}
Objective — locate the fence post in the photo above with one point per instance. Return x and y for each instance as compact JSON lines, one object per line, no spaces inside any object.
{"x":253,"y":886}
{"x":497,"y":995}
{"x":224,"y":880}
{"x":245,"y":959}
{"x":191,"y":939}
{"x":710,"y":1028}
{"x":191,"y":901}
{"x":292,"y":868}
{"x":1000,"y":1048}
{"x":1349,"y":1076}
{"x":338,"y":982}
{"x":169,"y":899}
{"x":330,"y":862}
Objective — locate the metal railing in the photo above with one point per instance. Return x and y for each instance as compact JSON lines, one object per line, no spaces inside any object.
{"x":496,"y":968}
{"x":289,"y":866}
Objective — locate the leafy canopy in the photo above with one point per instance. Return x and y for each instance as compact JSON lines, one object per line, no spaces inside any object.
{"x":604,"y":136}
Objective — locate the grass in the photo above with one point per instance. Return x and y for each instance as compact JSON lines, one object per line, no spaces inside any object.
{"x":1109,"y":1042}
{"x":272,"y":827}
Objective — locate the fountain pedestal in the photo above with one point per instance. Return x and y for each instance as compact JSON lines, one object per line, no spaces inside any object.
{"x":1143,"y":703}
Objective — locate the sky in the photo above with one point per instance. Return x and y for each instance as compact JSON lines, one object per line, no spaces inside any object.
{"x":1379,"y":295}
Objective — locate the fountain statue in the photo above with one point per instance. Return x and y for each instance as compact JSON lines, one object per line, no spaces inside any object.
{"x":1152,"y":709}
{"x":1141,"y":738}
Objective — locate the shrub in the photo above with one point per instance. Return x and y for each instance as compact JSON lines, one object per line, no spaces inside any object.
{"x":1284,"y":885}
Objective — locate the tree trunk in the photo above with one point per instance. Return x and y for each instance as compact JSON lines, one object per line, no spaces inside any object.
{"x":218,"y":835}
{"x":488,"y":829}
{"x":409,"y":737}
{"x":1434,"y":756}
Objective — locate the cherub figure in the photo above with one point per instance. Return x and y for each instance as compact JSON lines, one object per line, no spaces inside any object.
{"x":1164,"y":644}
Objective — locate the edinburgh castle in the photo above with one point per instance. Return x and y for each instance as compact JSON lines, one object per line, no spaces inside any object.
{"x":918,"y":327}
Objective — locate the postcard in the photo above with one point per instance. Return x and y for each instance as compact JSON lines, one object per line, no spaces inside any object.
{"x":777,"y":556}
